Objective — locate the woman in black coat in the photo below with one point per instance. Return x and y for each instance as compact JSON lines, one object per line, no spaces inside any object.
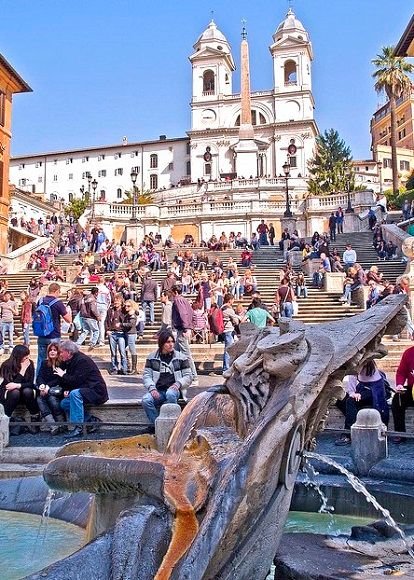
{"x":50,"y":393}
{"x":17,"y":382}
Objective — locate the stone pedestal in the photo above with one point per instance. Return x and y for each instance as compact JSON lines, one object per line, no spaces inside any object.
{"x":360,"y":297}
{"x":295,"y":258}
{"x":289,"y":223}
{"x":334,"y":282}
{"x":4,"y":430}
{"x":369,"y":446}
{"x":311,"y":266}
{"x":165,"y":423}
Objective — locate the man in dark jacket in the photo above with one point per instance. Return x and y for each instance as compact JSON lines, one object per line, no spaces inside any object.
{"x":82,"y":383}
{"x":182,"y":322}
{"x":149,"y":296}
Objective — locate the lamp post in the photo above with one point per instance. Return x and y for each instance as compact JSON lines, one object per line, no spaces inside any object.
{"x":286,"y":170}
{"x":94,"y":186}
{"x":134,"y":176}
{"x":349,"y":208}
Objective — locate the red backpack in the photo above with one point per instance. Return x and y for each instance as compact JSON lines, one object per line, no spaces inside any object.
{"x":216,"y":320}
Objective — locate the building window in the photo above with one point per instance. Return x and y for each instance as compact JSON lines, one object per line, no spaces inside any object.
{"x":402,"y":134}
{"x":404,"y":166}
{"x":170,"y":166}
{"x":134,"y":154}
{"x":153,"y":161}
{"x":85,"y":159}
{"x":188,"y":148}
{"x":153,"y":181}
{"x":101,"y":157}
{"x":38,"y":164}
{"x":208,"y":82}
{"x":21,"y":166}
{"x":40,"y":179}
{"x":207,"y":169}
{"x":290,"y":73}
{"x":55,"y":162}
{"x":387,"y":162}
{"x":69,"y":160}
{"x":70,"y":196}
{"x":119,"y":193}
{"x":118,"y":155}
{"x":22,"y":182}
{"x":2,"y":108}
{"x":102,"y":195}
{"x":136,"y":169}
{"x":119,"y":171}
{"x":55,"y":177}
{"x":70,"y":175}
{"x":188,"y":167}
{"x":102,"y":173}
{"x":293,"y":161}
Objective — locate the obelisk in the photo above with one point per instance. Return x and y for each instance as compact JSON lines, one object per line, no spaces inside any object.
{"x":246,"y":149}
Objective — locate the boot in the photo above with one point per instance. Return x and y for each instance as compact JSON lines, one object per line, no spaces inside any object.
{"x":54,"y":429}
{"x":32,"y":428}
{"x":133,"y":369}
{"x":62,"y":428}
{"x":129,"y":365}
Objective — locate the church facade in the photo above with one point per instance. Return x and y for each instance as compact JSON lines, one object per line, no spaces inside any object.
{"x":282,"y":118}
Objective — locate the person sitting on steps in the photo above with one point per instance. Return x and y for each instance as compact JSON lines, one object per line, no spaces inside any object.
{"x":50,"y":393}
{"x":166,"y":374}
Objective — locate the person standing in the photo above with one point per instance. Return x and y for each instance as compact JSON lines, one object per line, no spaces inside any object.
{"x":286,"y":297}
{"x":182,"y":322}
{"x":230,"y":320}
{"x":130,"y":329}
{"x":262,"y":230}
{"x":57,"y":311}
{"x":332,"y":227}
{"x":149,"y":292}
{"x":89,"y":319}
{"x":340,"y":218}
{"x":26,"y":316}
{"x":8,"y":309}
{"x":166,"y":322}
{"x":115,"y":331}
{"x":349,"y":257}
{"x":272,"y":234}
{"x":103,"y":302}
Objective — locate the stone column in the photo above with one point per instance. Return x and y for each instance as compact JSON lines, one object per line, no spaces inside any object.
{"x":369,"y":445}
{"x":165,"y":423}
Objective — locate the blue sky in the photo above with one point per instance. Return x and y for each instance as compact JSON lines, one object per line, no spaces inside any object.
{"x":104,"y":69}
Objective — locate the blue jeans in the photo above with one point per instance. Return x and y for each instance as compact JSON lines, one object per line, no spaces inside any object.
{"x":228,"y":341}
{"x":89,"y":325}
{"x":117,"y":342}
{"x":301,"y":290}
{"x":286,"y":309}
{"x":183,"y":346}
{"x":73,"y":407}
{"x":42,"y":344}
{"x":152,"y":406}
{"x":26,"y":333}
{"x":131,"y":343}
{"x":7,"y":328}
{"x":149,"y":304}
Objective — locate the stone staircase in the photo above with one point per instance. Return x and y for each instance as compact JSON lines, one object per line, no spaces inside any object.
{"x":320,"y":306}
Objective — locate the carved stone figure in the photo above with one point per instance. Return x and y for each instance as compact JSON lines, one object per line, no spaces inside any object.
{"x":213,"y":506}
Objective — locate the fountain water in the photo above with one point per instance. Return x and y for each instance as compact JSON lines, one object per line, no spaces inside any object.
{"x":359,"y":487}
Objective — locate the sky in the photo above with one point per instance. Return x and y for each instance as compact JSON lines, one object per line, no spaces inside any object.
{"x":104,"y":69}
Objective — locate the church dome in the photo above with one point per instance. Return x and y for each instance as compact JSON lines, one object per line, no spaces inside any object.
{"x":290,"y":23}
{"x":211,"y":33}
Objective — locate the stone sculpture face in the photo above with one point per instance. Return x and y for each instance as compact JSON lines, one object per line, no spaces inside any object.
{"x":217,"y":499}
{"x":408,"y":247}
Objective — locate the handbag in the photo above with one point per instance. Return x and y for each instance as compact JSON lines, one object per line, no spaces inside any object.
{"x":295,"y":307}
{"x":56,"y":391}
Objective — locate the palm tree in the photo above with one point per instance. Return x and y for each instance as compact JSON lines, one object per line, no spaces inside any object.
{"x":391,"y":78}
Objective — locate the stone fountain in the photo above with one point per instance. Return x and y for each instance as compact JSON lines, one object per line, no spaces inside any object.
{"x":213,"y":505}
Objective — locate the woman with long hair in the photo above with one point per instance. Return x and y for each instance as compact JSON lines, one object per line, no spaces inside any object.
{"x":17,"y":383}
{"x":26,"y":316}
{"x":130,"y":328}
{"x":49,"y":390}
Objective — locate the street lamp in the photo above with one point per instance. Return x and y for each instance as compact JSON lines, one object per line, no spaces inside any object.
{"x":286,"y":170}
{"x":349,"y":208}
{"x":94,"y":186}
{"x":134,"y":176}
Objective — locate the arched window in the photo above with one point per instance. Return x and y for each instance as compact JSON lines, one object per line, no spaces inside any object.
{"x":153,"y":161}
{"x":208,"y":82}
{"x":119,"y":193}
{"x":257,"y":119}
{"x":153,"y":181}
{"x":70,"y":196}
{"x":290,"y":73}
{"x":102,"y":195}
{"x":207,"y":169}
